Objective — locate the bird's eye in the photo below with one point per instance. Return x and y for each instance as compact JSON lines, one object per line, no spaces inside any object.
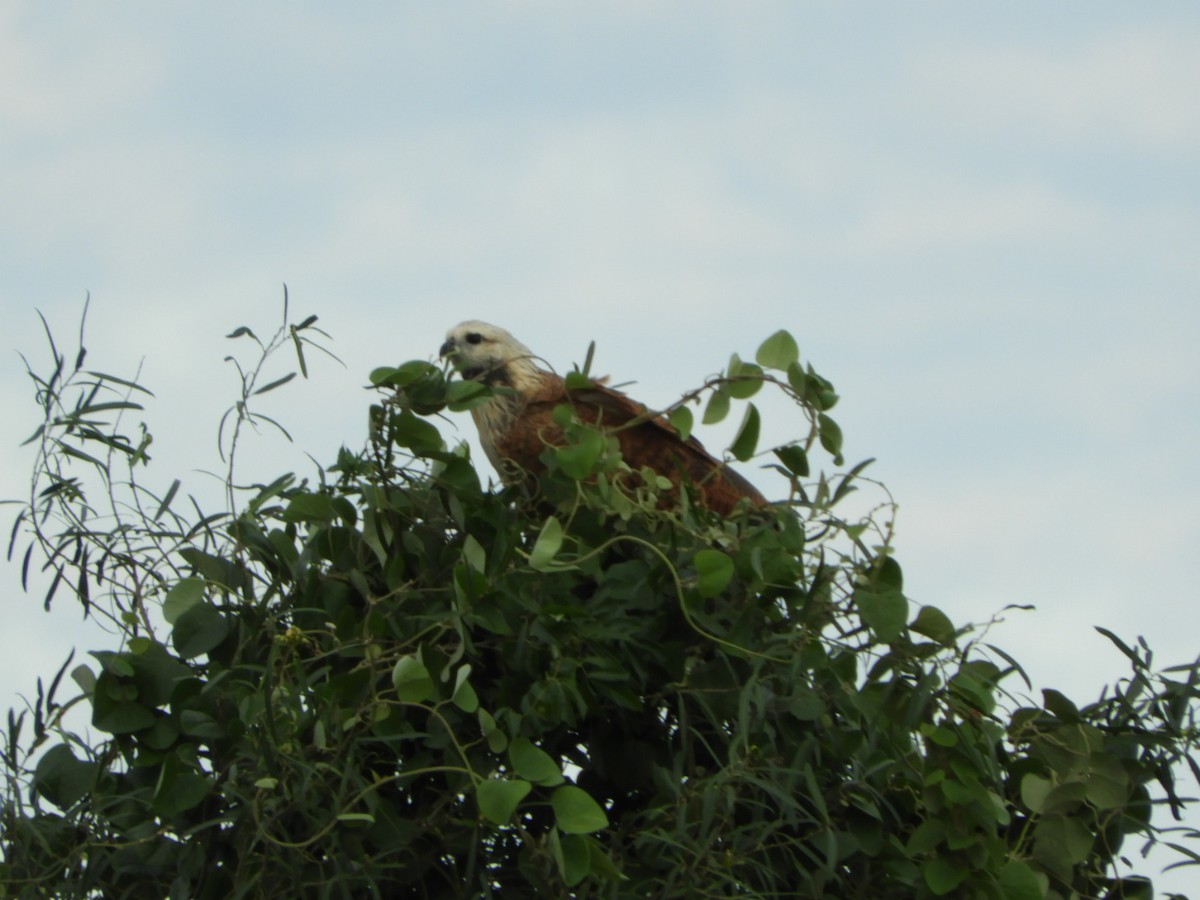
{"x":474,"y":337}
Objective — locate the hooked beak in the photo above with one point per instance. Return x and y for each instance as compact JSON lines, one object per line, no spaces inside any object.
{"x":448,"y":348}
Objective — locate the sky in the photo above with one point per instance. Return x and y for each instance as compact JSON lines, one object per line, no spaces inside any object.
{"x":980,"y":221}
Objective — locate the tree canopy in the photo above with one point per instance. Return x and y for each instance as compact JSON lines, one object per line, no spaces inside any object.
{"x":387,"y":680}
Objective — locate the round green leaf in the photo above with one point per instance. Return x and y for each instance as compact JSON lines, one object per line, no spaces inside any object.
{"x":778,"y":351}
{"x":746,"y":381}
{"x":682,"y":420}
{"x":943,"y":875}
{"x":179,"y":792}
{"x":714,"y":571}
{"x":576,"y":812}
{"x":884,"y":613}
{"x":578,"y":460}
{"x":934,"y":624}
{"x":198,"y":630}
{"x":181,"y":597}
{"x":1019,"y":882}
{"x":415,"y":433}
{"x":1035,"y":791}
{"x":308,"y":507}
{"x":62,"y":778}
{"x":398,"y":376}
{"x":498,"y":798}
{"x":533,"y":763}
{"x":794,"y":459}
{"x":464,"y":395}
{"x":412,"y":680}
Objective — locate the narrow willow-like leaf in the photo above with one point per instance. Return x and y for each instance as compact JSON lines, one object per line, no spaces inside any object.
{"x":278,"y":382}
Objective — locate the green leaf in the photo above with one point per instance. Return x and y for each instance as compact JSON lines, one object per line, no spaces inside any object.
{"x":578,"y":460}
{"x":576,"y":380}
{"x":308,"y":507}
{"x":943,"y":875}
{"x":464,"y":395}
{"x":574,"y":858}
{"x":887,"y":574}
{"x":62,"y":778}
{"x":464,"y":696}
{"x":121,"y":381}
{"x":1107,"y":784}
{"x":884,"y":613}
{"x":1034,"y":791}
{"x":534,"y":764}
{"x":412,"y":680}
{"x":1020,"y":882}
{"x":496,"y":739}
{"x":925,"y":837}
{"x":549,"y":542}
{"x":182,"y":596}
{"x":939,"y":734}
{"x":746,"y":441}
{"x":474,"y":554}
{"x":714,"y":571}
{"x":778,"y":351}
{"x":180,"y":792}
{"x":934,"y":624}
{"x":1065,"y":798}
{"x":198,"y":629}
{"x":601,"y":865}
{"x":717,"y":407}
{"x":413,"y":432}
{"x":498,"y":798}
{"x":197,"y":724}
{"x":406,"y":374}
{"x":794,"y":459}
{"x":1062,"y":840}
{"x":278,"y":382}
{"x":745,"y":380}
{"x":683,"y":421}
{"x":115,"y":708}
{"x":576,"y":812}
{"x":165,"y":503}
{"x":831,"y":437}
{"x":1061,"y":705}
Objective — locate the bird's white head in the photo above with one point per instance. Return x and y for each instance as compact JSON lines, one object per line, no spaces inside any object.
{"x":489,"y":354}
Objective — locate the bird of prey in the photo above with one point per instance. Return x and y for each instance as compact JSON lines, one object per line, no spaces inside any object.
{"x":516,"y":424}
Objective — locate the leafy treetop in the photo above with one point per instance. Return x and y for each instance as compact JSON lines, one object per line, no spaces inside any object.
{"x":392,"y":682}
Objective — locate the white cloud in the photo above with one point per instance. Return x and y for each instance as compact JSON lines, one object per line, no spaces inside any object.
{"x":72,"y":78}
{"x":1009,"y":324}
{"x":1132,"y":87}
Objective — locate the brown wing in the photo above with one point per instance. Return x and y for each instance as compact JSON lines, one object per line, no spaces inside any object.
{"x":652,"y":442}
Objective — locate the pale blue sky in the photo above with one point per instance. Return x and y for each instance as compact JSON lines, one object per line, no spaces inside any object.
{"x":980,"y":221}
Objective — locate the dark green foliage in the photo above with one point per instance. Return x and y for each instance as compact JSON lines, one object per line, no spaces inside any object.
{"x":395,"y":683}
